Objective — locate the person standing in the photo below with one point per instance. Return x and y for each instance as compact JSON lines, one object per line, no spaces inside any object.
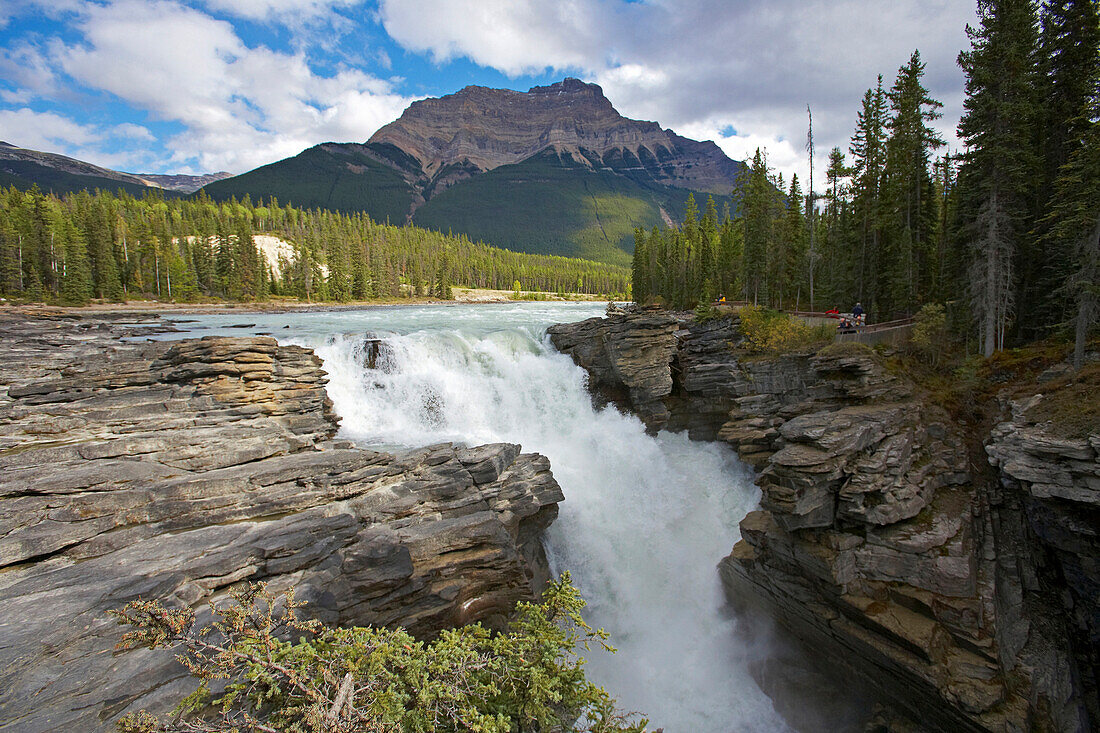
{"x":858,"y":315}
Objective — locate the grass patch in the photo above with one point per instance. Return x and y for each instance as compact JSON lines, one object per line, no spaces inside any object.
{"x":1071,"y":404}
{"x":846,"y":348}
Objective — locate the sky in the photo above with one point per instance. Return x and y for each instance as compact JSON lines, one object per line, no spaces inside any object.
{"x":165,"y":86}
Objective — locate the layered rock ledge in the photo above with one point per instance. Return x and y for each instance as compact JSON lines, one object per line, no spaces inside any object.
{"x":174,"y":470}
{"x":878,"y":541}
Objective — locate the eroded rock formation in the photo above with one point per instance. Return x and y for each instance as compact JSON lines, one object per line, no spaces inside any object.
{"x":878,"y":541}
{"x":477,"y":129}
{"x":174,"y":470}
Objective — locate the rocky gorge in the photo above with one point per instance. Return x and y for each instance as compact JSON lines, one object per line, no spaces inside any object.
{"x":958,"y":584}
{"x":174,"y":470}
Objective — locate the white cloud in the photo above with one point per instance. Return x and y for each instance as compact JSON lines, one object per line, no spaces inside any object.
{"x":268,"y":10}
{"x":514,"y":36}
{"x":240,"y":107}
{"x":130,"y":131}
{"x":26,"y":67}
{"x":54,"y":133}
{"x":47,"y":131}
{"x":705,"y":65}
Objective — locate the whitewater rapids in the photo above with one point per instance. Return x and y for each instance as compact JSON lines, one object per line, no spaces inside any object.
{"x":645,"y":518}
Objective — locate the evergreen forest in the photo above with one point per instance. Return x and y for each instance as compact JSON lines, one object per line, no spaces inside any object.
{"x":1004,"y":234}
{"x":115,"y":247}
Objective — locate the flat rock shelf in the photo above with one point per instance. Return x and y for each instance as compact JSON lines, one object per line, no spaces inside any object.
{"x":173,"y":470}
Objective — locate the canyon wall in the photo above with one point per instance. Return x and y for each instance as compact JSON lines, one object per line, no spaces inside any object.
{"x":964,"y":596}
{"x":174,"y":470}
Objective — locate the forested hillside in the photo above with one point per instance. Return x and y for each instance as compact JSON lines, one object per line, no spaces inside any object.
{"x":536,"y":205}
{"x":1005,"y":235}
{"x":82,"y":246}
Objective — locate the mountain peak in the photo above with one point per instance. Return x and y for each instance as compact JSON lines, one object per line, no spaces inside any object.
{"x":477,"y":129}
{"x":569,"y":85}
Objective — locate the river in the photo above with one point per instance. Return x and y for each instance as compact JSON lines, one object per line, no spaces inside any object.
{"x":645,"y":518}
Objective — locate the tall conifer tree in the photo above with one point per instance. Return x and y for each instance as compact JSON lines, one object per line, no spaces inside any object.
{"x":1000,"y":164}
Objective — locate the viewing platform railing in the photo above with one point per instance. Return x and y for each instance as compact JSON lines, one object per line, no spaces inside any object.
{"x":888,"y":332}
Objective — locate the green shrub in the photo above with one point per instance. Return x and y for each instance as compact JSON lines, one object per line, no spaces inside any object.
{"x":929,"y":337}
{"x":704,"y":313}
{"x":775,"y":332}
{"x":341,"y":680}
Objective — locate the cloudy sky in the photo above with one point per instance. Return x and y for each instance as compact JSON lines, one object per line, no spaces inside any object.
{"x":188,"y":87}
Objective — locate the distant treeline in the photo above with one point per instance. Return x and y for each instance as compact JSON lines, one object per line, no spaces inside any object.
{"x":81,"y":246}
{"x":1006,"y":233}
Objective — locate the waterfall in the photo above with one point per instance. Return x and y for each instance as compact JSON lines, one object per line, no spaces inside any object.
{"x":645,"y":518}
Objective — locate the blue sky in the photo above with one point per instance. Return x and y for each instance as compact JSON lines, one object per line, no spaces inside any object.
{"x":172,"y":86}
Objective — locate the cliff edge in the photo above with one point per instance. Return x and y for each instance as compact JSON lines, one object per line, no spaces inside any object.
{"x":965,"y":598}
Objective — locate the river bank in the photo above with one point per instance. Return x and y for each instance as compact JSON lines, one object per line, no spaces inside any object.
{"x":463,"y":296}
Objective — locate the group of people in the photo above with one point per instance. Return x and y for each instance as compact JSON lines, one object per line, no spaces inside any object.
{"x":849,"y":322}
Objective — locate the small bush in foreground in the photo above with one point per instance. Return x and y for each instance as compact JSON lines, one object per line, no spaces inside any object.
{"x":334,"y":680}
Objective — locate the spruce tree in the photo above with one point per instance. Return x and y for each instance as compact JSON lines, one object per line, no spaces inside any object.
{"x":1075,"y":219}
{"x":909,"y":187}
{"x":76,"y":281}
{"x":757,"y":224}
{"x":795,"y":232}
{"x":639,"y":274}
{"x":705,"y":261}
{"x":1000,"y":163}
{"x":1069,"y":57}
{"x":868,"y":149}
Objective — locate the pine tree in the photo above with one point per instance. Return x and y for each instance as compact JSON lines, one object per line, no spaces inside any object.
{"x":640,"y":269}
{"x":868,"y":149}
{"x":443,"y":278}
{"x":1000,"y":164}
{"x":1075,"y":218}
{"x":757,"y":223}
{"x":909,"y":186}
{"x":796,"y":252}
{"x":76,"y":281}
{"x":705,"y":263}
{"x":729,"y":255}
{"x":1069,"y":54}
{"x":100,"y":244}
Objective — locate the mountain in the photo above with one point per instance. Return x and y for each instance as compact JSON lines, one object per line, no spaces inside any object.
{"x":22,"y":167}
{"x":554,"y":170}
{"x":181,"y":181}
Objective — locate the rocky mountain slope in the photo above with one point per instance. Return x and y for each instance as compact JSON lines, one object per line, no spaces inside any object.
{"x":964,"y":598}
{"x":554,"y":170}
{"x":173,"y":470}
{"x":21,"y":167}
{"x":481,"y":128}
{"x":181,"y":181}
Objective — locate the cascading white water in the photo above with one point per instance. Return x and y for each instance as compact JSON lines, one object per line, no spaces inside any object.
{"x":644,"y":522}
{"x":645,"y":518}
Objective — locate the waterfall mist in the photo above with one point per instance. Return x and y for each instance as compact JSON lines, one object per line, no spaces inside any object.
{"x":645,"y":520}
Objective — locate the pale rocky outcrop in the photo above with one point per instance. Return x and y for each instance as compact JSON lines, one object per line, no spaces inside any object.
{"x":174,"y":470}
{"x":876,"y":541}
